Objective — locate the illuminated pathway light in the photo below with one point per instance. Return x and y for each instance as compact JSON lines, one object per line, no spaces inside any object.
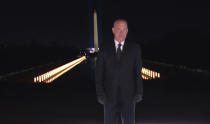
{"x":50,"y":76}
{"x":57,"y":72}
{"x":148,"y":74}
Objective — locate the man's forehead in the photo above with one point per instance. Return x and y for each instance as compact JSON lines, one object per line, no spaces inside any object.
{"x":120,"y":23}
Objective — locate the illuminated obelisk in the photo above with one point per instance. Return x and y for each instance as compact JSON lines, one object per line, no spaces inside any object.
{"x":95,"y":31}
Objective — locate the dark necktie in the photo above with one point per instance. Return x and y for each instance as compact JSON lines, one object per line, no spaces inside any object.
{"x":118,"y":51}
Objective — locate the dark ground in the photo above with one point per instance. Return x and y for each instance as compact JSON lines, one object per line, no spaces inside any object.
{"x":179,"y":97}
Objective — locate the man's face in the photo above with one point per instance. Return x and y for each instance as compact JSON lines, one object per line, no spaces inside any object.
{"x":120,"y":31}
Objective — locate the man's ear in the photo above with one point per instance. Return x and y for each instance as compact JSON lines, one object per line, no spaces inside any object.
{"x":112,"y":29}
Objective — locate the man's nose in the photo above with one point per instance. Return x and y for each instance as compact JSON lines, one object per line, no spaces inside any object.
{"x":121,"y":32}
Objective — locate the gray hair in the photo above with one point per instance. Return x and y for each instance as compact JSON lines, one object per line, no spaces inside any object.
{"x":118,"y":20}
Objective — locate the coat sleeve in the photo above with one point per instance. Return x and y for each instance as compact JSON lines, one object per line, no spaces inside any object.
{"x":99,"y":70}
{"x":138,"y":67}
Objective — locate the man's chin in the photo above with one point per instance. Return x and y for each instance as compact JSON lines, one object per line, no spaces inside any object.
{"x":121,"y":40}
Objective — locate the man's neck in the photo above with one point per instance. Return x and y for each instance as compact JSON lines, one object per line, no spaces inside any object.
{"x":119,"y":41}
{"x":116,"y":41}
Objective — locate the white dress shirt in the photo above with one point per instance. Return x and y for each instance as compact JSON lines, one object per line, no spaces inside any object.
{"x":116,"y":44}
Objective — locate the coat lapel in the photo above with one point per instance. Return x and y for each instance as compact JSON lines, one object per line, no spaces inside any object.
{"x":125,"y":48}
{"x":113,"y":50}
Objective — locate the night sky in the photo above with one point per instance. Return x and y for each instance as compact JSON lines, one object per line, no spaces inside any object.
{"x":174,"y":31}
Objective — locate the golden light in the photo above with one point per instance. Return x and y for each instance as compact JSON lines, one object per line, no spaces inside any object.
{"x":148,"y":74}
{"x":57,"y":72}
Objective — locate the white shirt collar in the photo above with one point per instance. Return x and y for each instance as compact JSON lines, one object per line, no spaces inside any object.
{"x":116,"y":44}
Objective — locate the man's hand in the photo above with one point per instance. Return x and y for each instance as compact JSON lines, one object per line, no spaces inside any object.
{"x":138,"y":98}
{"x":101,"y":99}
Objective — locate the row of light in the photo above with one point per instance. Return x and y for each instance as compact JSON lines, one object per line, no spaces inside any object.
{"x":50,"y":76}
{"x":148,"y":74}
{"x":57,"y":72}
